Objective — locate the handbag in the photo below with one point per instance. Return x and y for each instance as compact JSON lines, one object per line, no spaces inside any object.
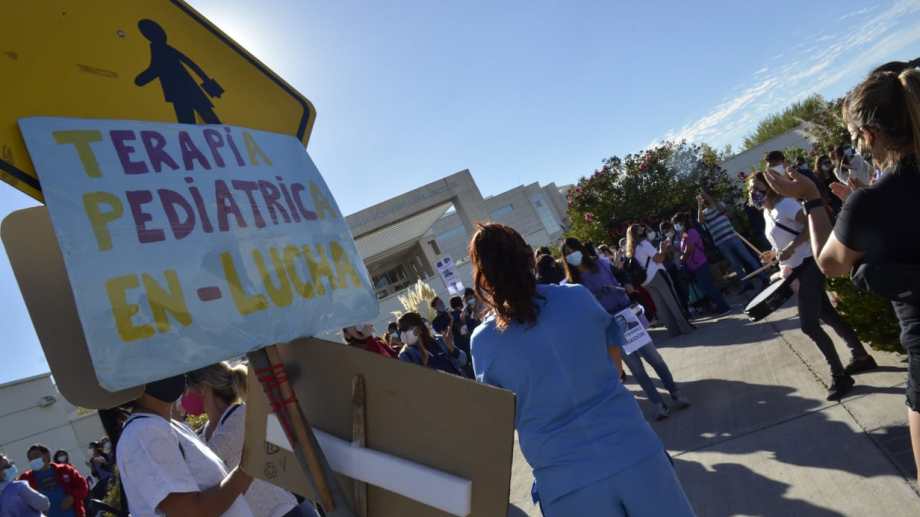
{"x":896,"y":282}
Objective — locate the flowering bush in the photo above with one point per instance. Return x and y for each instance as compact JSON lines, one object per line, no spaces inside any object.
{"x":646,"y":187}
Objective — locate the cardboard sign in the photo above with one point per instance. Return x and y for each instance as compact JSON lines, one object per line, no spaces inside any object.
{"x":461,"y":430}
{"x":633,"y":330}
{"x":186,"y":245}
{"x":39,"y":268}
{"x":155,"y":60}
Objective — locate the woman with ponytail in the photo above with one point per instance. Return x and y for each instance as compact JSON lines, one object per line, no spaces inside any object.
{"x":219,"y":391}
{"x":877,"y":235}
{"x":591,"y":450}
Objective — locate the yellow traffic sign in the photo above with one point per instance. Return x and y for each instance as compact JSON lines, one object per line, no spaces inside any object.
{"x":156,"y":60}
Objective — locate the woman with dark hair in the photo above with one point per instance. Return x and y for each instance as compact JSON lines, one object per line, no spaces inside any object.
{"x":876,"y":235}
{"x":693,"y":255}
{"x":788,"y":234}
{"x":164,"y":467}
{"x":596,"y":273}
{"x":549,"y":271}
{"x":423,"y":348}
{"x":597,"y":276}
{"x":591,"y":451}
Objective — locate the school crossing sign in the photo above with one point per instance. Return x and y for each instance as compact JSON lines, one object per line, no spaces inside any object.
{"x":156,"y":60}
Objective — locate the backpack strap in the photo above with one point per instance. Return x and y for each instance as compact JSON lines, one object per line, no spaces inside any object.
{"x":784,"y":227}
{"x":228,"y":413}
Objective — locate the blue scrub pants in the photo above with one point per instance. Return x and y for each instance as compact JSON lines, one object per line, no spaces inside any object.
{"x":649,"y":489}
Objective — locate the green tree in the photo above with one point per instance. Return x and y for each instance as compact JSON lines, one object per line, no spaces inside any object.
{"x":814,"y":109}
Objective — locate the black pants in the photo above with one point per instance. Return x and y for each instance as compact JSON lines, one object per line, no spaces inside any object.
{"x":815,"y":307}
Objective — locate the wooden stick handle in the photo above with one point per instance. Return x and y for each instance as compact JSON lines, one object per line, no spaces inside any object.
{"x":359,"y":437}
{"x":755,"y":249}
{"x":303,"y":437}
{"x":759,"y":270}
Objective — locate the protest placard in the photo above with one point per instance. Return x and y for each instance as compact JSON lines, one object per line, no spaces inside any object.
{"x":449,"y":275}
{"x":186,"y":245}
{"x":428,"y":434}
{"x":633,"y":330}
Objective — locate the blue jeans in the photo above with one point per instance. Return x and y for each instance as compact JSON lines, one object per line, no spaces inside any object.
{"x":742,"y":261}
{"x":648,"y":489}
{"x":654,"y":359}
{"x":703,"y":279}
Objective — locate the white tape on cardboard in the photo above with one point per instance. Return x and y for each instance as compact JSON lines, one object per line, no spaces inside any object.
{"x":426,"y":485}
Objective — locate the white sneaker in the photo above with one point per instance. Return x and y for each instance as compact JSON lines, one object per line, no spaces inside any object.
{"x":663,"y":412}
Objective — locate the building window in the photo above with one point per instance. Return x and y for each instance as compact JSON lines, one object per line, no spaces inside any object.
{"x":502,"y":211}
{"x":435,"y":248}
{"x":453,"y":233}
{"x":392,"y":281}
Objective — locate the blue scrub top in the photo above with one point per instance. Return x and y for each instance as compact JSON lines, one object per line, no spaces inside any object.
{"x":576,"y":422}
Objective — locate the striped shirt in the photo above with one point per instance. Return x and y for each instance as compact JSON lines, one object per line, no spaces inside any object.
{"x":718,"y":225}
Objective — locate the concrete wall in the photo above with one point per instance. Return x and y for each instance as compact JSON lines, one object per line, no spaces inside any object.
{"x":24,"y":422}
{"x":459,"y":189}
{"x":747,"y":160}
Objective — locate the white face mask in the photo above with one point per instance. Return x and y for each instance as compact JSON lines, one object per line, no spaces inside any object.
{"x":678,"y":227}
{"x":574,"y":259}
{"x":651,"y":235}
{"x":37,"y":463}
{"x":10,"y":473}
{"x":780,"y":169}
{"x":409,"y":337}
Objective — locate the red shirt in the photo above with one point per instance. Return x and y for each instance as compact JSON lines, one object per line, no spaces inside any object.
{"x":70,"y":479}
{"x":377,"y":346}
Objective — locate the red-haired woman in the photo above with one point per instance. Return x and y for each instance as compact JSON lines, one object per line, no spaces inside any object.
{"x":591,"y":450}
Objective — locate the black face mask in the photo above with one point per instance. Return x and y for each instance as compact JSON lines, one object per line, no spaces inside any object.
{"x":167,"y":390}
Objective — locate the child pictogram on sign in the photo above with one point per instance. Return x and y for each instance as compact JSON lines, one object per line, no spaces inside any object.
{"x":179,"y":88}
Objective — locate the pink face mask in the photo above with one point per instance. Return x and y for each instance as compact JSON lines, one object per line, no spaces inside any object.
{"x":192,"y":403}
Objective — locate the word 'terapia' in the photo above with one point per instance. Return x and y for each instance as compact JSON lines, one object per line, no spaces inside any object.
{"x":266,"y":201}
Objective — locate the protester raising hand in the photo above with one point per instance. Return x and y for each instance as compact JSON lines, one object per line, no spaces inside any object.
{"x":792,"y":184}
{"x":843,"y":191}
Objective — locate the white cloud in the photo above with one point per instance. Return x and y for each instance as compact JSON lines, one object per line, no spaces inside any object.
{"x":818,"y":65}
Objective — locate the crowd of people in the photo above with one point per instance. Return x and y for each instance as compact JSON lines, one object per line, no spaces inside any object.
{"x":549,"y":334}
{"x":51,"y":485}
{"x":544,"y":324}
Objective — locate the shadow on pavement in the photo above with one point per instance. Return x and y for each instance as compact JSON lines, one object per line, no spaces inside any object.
{"x":723,"y":412}
{"x":728,"y":489}
{"x":514,"y":511}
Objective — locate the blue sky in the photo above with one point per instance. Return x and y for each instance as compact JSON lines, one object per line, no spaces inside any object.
{"x":518,"y":92}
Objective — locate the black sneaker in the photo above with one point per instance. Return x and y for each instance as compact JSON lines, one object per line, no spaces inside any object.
{"x":840,"y":387}
{"x":860,"y":364}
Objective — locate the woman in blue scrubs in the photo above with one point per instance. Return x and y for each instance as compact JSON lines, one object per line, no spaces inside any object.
{"x":591,"y":450}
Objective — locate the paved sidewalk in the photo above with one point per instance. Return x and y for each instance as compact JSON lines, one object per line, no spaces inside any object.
{"x":760,"y":440}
